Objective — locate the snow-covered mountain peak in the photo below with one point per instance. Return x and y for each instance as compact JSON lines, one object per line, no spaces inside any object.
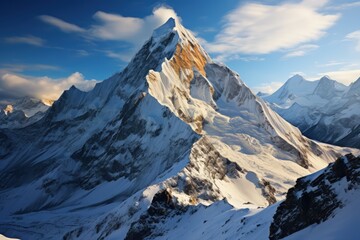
{"x":181,"y":38}
{"x":293,"y":87}
{"x":173,"y":25}
{"x":22,"y":112}
{"x":168,"y":26}
{"x":325,"y":77}
{"x":30,"y":103}
{"x":172,"y":119}
{"x":328,"y":88}
{"x":354,"y":89}
{"x":296,"y":78}
{"x":326,"y":80}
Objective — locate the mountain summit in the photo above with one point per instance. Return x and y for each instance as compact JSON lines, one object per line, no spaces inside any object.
{"x":173,"y":131}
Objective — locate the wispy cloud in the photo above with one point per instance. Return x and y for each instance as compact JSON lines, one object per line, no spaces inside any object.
{"x":61,"y":24}
{"x":301,"y":50}
{"x":207,"y":30}
{"x":256,"y":28}
{"x":126,"y":57}
{"x":31,"y":40}
{"x":332,"y":64}
{"x":114,"y":27}
{"x":25,"y":67}
{"x":238,"y":57}
{"x":82,"y":53}
{"x":354,"y":36}
{"x":39,"y":42}
{"x":251,"y":59}
{"x":133,"y":30}
{"x":42,"y":87}
{"x":344,"y":6}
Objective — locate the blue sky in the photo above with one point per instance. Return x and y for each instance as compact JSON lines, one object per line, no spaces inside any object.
{"x":46,"y":46}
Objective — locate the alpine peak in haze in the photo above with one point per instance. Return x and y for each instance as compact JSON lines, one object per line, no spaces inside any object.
{"x":22,"y":112}
{"x":325,"y":110}
{"x":170,"y":134}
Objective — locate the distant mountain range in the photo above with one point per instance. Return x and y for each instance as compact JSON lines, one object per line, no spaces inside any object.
{"x":22,"y":112}
{"x":324,"y":110}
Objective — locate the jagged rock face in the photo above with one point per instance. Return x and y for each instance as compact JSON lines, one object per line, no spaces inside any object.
{"x":206,"y":167}
{"x":341,"y":131}
{"x":314,"y":198}
{"x":161,"y":206}
{"x":133,"y":142}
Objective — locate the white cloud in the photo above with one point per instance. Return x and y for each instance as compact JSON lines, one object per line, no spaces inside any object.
{"x":82,"y":53}
{"x":354,"y":36}
{"x":344,"y":76}
{"x":332,"y":64}
{"x":115,"y":27}
{"x":222,"y":58}
{"x":126,"y":57}
{"x":31,"y":40}
{"x":42,"y":87}
{"x":62,"y":25}
{"x":129,"y":29}
{"x":267,"y":87}
{"x":301,"y":50}
{"x":255,"y":28}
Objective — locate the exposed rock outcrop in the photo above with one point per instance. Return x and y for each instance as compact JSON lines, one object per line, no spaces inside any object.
{"x":314,"y":198}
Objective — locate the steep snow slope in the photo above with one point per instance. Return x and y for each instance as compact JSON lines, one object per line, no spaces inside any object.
{"x":323,"y":205}
{"x":22,"y":112}
{"x":324,"y":110}
{"x":173,"y":119}
{"x":166,"y":220}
